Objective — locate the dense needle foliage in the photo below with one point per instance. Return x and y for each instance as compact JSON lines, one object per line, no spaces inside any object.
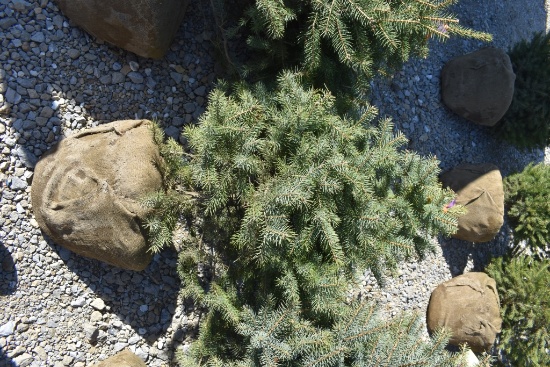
{"x":305,"y":181}
{"x":295,"y":200}
{"x":527,"y":197}
{"x":342,"y":44}
{"x":523,"y":285}
{"x":526,"y":124}
{"x":171,"y":203}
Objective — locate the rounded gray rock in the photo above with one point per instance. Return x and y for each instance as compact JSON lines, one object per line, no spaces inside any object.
{"x":479,"y":86}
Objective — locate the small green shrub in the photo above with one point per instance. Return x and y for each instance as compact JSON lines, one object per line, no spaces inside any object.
{"x":303,"y":180}
{"x":293,"y":200}
{"x":526,"y":124}
{"x":527,"y":197}
{"x":523,"y":285}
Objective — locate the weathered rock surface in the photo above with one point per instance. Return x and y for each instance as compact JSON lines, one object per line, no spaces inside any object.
{"x":479,"y":86}
{"x":145,"y":27}
{"x":122,"y":359}
{"x":469,"y":306}
{"x":479,"y":188}
{"x":87,"y":189}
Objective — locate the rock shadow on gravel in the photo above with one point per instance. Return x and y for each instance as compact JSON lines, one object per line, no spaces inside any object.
{"x":145,"y":300}
{"x":5,"y":361}
{"x":8,"y":272}
{"x":83,"y":82}
{"x":463,"y":256}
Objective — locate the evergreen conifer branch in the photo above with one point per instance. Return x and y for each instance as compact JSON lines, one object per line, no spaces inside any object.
{"x":527,"y":197}
{"x":341,"y":44}
{"x":523,"y":285}
{"x":295,"y":200}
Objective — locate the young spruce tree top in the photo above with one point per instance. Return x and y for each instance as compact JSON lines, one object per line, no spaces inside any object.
{"x":310,"y":183}
{"x":295,"y":201}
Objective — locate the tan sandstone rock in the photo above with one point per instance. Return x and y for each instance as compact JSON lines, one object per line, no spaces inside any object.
{"x":479,"y":86}
{"x":122,"y":359}
{"x":87,"y":189}
{"x":145,"y":27}
{"x":479,"y":188}
{"x":469,"y":306}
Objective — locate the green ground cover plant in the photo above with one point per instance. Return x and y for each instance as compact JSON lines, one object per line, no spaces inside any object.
{"x":527,"y":197}
{"x":292,"y":200}
{"x":523,"y":285}
{"x":526,"y":124}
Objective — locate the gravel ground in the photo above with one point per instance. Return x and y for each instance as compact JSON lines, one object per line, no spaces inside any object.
{"x":59,"y":309}
{"x":56,"y":308}
{"x":412,"y":99}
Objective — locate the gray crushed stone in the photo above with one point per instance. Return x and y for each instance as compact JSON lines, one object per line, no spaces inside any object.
{"x":411,"y":97}
{"x":56,"y":308}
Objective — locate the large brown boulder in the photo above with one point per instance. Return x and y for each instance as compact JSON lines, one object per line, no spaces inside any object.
{"x":479,"y":188}
{"x":469,"y":306}
{"x":145,"y":27}
{"x":122,"y":359}
{"x":87,"y":189}
{"x":479,"y":86}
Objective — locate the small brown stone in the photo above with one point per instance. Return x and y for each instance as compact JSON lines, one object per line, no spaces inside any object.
{"x":122,"y":359}
{"x":469,"y":306}
{"x":145,"y":27}
{"x":479,"y":188}
{"x":87,"y":192}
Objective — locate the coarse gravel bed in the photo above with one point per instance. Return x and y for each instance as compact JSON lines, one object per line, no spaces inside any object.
{"x":411,"y":97}
{"x":56,"y":80}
